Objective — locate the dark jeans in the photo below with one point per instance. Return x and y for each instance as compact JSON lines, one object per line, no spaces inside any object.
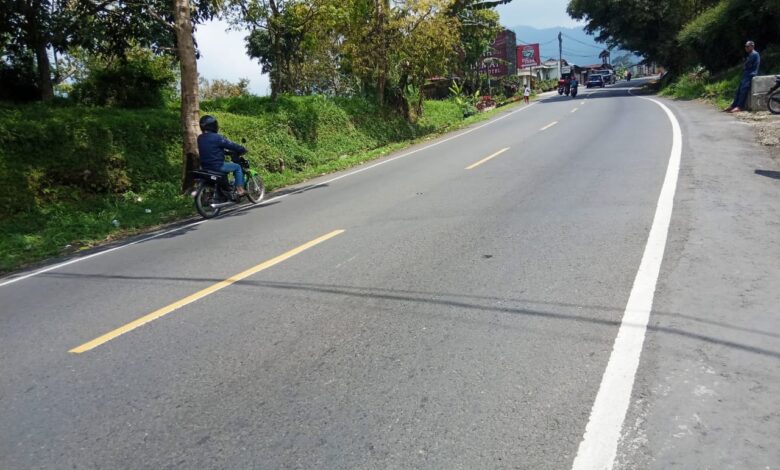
{"x":740,"y":100}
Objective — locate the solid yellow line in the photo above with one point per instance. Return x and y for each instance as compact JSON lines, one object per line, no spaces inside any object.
{"x":548,"y":126}
{"x":487,"y":158}
{"x":200,"y":294}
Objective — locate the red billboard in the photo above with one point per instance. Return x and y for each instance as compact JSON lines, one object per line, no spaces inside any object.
{"x":528,"y":55}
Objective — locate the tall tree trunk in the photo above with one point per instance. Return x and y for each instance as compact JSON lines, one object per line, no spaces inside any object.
{"x":190,"y":106}
{"x":276,"y":50}
{"x":38,"y":43}
{"x":44,"y":72}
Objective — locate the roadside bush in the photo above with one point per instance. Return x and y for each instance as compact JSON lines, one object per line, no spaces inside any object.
{"x":51,"y":153}
{"x":138,"y":80}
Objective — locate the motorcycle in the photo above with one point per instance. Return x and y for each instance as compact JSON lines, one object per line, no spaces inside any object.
{"x":773,"y":97}
{"x":574,"y":92}
{"x":213,"y":190}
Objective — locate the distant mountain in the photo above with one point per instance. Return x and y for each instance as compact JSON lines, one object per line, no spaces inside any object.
{"x":578,"y":47}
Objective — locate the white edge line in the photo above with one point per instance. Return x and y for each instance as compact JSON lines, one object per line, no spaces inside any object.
{"x":360,"y":170}
{"x":598,"y":448}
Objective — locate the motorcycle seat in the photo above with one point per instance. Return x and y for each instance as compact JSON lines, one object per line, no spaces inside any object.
{"x":213,"y":172}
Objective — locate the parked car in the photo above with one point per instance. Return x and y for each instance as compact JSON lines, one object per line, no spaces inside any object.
{"x":595,"y":80}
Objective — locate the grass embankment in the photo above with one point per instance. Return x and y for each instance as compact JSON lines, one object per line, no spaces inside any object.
{"x":71,"y":177}
{"x":717,"y":89}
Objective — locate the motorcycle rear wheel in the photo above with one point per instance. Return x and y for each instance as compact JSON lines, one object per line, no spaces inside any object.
{"x":204,"y":197}
{"x":255,"y":189}
{"x":773,"y":102}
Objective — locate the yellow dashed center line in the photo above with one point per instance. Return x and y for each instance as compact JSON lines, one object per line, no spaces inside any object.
{"x":474,"y":165}
{"x":200,"y":294}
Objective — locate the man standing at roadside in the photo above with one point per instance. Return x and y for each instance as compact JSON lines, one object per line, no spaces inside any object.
{"x":750,"y":70}
{"x":527,"y":94}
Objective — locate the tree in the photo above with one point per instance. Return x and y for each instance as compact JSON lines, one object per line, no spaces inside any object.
{"x":428,"y":45}
{"x":190,"y":106}
{"x":647,"y":28}
{"x":714,"y":37}
{"x":28,"y":31}
{"x":216,"y":89}
{"x":478,"y":30}
{"x":278,"y":31}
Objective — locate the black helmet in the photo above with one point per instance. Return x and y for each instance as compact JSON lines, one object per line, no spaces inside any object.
{"x":208,"y":123}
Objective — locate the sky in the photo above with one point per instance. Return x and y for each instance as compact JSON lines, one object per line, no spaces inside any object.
{"x":537,"y":13}
{"x":223,"y":53}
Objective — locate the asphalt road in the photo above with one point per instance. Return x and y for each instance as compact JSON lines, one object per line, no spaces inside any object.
{"x":459,"y":318}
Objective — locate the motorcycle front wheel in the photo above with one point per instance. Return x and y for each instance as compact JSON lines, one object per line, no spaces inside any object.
{"x":773,"y":102}
{"x":204,"y":197}
{"x":255,"y":189}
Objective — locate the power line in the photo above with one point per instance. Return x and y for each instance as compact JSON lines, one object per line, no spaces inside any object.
{"x":540,"y":44}
{"x":575,"y":54}
{"x":583,"y":43}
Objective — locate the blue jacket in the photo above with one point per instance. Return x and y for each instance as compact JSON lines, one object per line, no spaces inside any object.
{"x":751,"y":64}
{"x":212,"y":146}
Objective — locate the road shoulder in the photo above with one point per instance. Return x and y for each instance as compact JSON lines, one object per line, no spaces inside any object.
{"x":707,"y":393}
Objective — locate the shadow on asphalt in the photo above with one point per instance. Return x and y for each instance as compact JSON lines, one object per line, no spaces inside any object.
{"x":769,"y":174}
{"x":469,"y":302}
{"x":616,"y":92}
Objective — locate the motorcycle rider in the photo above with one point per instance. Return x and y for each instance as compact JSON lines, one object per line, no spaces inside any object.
{"x":212,"y":146}
{"x":574,"y":84}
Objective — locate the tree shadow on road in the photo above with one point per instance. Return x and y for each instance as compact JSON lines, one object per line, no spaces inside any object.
{"x":769,"y":174}
{"x":476,"y":303}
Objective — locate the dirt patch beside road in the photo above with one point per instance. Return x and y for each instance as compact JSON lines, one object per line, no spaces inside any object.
{"x":767,"y":128}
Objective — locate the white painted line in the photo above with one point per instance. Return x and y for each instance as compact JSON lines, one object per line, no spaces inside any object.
{"x":574,"y":110}
{"x":582,"y":103}
{"x":183,"y":227}
{"x":548,"y":126}
{"x":598,"y":448}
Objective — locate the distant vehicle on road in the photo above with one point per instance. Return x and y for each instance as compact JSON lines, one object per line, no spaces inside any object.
{"x":595,"y":81}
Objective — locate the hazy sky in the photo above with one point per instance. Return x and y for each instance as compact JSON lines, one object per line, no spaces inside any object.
{"x":223,"y":54}
{"x":536,"y":13}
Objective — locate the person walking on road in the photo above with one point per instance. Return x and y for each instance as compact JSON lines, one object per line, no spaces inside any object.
{"x":749,"y":71}
{"x":527,"y":94}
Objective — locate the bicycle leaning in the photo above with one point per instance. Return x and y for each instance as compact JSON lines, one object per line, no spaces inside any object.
{"x":773,"y":97}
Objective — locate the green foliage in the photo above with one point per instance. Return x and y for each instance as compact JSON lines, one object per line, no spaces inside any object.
{"x":718,"y":89}
{"x":217,"y":89}
{"x":137,"y":80}
{"x":682,"y":33}
{"x":67,"y":172}
{"x":714,"y":38}
{"x":545,"y":85}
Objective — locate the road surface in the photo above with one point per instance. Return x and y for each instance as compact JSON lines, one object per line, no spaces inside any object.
{"x":451,"y":306}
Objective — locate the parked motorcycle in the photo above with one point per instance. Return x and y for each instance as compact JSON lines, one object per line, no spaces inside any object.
{"x":773,"y":97}
{"x":213,"y":190}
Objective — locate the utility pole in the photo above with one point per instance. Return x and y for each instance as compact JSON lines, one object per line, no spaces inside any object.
{"x":560,"y":54}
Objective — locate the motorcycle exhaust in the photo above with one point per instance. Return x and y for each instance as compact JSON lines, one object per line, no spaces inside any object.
{"x":221,"y":204}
